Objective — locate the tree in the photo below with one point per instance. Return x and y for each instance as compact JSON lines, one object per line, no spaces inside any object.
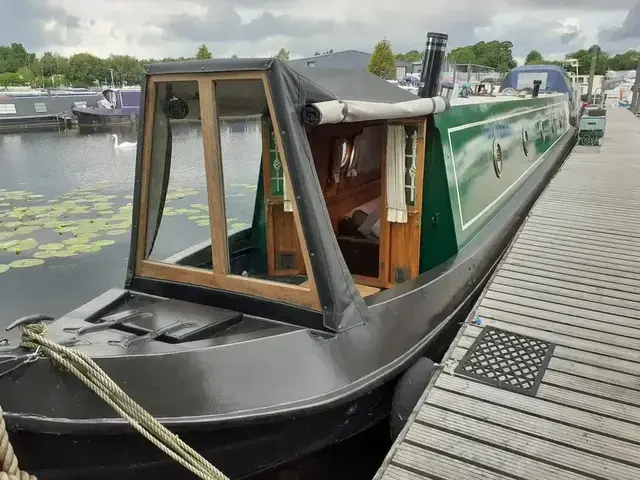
{"x":410,"y":56}
{"x":382,"y":62}
{"x":203,"y":53}
{"x":26,"y":75}
{"x":234,"y":56}
{"x":85,"y":69}
{"x":496,"y":54}
{"x":283,"y":55}
{"x":584,"y":59}
{"x":625,"y":61}
{"x":534,"y":57}
{"x":125,"y":68}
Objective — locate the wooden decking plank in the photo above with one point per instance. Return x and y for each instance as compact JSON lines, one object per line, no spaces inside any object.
{"x":535,"y":448}
{"x":541,"y":427}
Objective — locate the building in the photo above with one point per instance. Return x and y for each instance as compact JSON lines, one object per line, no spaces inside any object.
{"x":347,"y":59}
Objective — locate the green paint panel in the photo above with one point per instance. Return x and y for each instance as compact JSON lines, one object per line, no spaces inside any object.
{"x":483,"y":153}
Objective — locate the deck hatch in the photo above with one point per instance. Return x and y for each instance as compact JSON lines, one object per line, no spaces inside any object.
{"x":507,"y":360}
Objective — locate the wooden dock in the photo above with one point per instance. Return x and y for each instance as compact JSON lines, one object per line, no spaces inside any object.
{"x":543,"y":381}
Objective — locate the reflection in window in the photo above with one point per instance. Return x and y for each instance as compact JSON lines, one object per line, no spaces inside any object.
{"x":178,"y":229}
{"x":263,"y":242}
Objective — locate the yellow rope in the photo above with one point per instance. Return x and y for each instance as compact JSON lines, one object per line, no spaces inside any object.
{"x":9,"y":469}
{"x":97,"y":380}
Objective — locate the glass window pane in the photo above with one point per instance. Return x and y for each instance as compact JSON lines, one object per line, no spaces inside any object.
{"x":263,"y":242}
{"x":178,"y":229}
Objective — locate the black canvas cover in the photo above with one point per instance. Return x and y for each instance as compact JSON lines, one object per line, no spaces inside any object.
{"x":342,"y":306}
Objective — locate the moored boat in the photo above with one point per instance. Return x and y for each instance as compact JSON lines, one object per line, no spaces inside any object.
{"x":118,"y":107}
{"x":377,"y":219}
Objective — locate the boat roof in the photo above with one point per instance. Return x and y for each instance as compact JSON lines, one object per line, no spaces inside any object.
{"x":316,"y":83}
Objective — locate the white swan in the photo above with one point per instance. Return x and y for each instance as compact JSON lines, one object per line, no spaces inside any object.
{"x":123,"y":144}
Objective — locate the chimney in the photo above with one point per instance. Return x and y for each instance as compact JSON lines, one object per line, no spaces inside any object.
{"x":434,"y":54}
{"x":536,"y":88}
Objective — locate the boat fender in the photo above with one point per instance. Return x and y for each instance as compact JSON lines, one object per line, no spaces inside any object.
{"x":410,"y":386}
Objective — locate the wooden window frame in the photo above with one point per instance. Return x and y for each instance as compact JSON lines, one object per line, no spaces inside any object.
{"x":219,"y":277}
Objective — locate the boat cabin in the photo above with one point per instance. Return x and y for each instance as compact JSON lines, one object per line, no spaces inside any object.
{"x":337,"y":163}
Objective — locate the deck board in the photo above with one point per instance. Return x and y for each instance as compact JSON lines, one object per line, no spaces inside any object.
{"x":572,"y":278}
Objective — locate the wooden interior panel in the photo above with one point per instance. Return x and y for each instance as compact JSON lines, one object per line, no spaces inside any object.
{"x":404,"y":256}
{"x":284,"y":241}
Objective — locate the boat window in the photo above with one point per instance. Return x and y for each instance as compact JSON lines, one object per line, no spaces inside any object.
{"x":262,"y":238}
{"x":7,"y":108}
{"x":178,"y":214}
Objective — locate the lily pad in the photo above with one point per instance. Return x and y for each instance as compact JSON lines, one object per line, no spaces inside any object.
{"x":76,"y":240}
{"x":27,"y":262}
{"x":84,"y":248}
{"x":52,"y":246}
{"x":3,"y":267}
{"x":117,"y":232}
{"x":26,"y":230}
{"x":199,"y":217}
{"x":6,"y":245}
{"x":239,"y":225}
{"x":103,"y":243}
{"x":5,"y":235}
{"x":26,"y":244}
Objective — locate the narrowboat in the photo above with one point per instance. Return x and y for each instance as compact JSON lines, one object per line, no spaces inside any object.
{"x":41,"y":109}
{"x":378,"y":217}
{"x":118,"y":107}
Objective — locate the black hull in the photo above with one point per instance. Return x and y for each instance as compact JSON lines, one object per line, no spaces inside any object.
{"x":93,"y":120}
{"x":336,"y":387}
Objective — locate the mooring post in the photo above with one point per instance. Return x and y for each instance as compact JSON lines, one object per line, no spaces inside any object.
{"x":594,"y":60}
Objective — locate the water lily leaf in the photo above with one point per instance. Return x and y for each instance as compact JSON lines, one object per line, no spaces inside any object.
{"x":52,"y":246}
{"x":27,"y":262}
{"x":76,"y":240}
{"x":3,"y":267}
{"x":67,"y":229}
{"x":5,"y":235}
{"x":103,"y":243}
{"x":84,"y":248}
{"x":117,"y":232}
{"x":239,"y":225}
{"x":200,"y":206}
{"x":199,"y":217}
{"x":26,"y":230}
{"x":44,"y":254}
{"x":27,"y":244}
{"x":6,"y":245}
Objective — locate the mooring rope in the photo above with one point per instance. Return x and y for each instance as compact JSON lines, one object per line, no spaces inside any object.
{"x":33,"y":337}
{"x":9,"y":469}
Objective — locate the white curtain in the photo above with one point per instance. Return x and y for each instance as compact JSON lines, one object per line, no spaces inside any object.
{"x":396,"y":199}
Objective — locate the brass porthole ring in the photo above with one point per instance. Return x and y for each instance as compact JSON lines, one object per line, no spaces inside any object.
{"x":497,"y":158}
{"x":525,"y":142}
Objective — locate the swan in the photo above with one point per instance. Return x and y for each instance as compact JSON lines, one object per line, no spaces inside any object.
{"x":123,"y":144}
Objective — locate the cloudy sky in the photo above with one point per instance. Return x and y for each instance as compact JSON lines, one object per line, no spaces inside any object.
{"x":164,"y":28}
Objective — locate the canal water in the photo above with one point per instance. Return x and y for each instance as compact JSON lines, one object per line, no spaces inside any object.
{"x":65,"y":219}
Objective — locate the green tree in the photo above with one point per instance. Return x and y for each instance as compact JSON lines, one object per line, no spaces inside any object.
{"x":282,"y":55}
{"x":625,"y":61}
{"x":126,"y":69}
{"x":85,"y":69}
{"x":534,"y":57}
{"x":234,"y":56}
{"x":382,"y":62}
{"x":584,"y":59}
{"x":410,"y":56}
{"x":14,"y":56}
{"x":8,"y":79}
{"x":496,"y":54}
{"x":203,"y":53}
{"x":26,"y":75}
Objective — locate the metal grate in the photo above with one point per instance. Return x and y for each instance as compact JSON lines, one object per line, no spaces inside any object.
{"x":507,"y":360}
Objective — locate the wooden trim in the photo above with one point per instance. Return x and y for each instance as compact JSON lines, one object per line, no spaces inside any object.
{"x":370,"y":281}
{"x":385,"y":228}
{"x":268,"y":205}
{"x":214,"y":174}
{"x":197,"y":77}
{"x":294,"y":202}
{"x":277,"y":291}
{"x":149,"y":109}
